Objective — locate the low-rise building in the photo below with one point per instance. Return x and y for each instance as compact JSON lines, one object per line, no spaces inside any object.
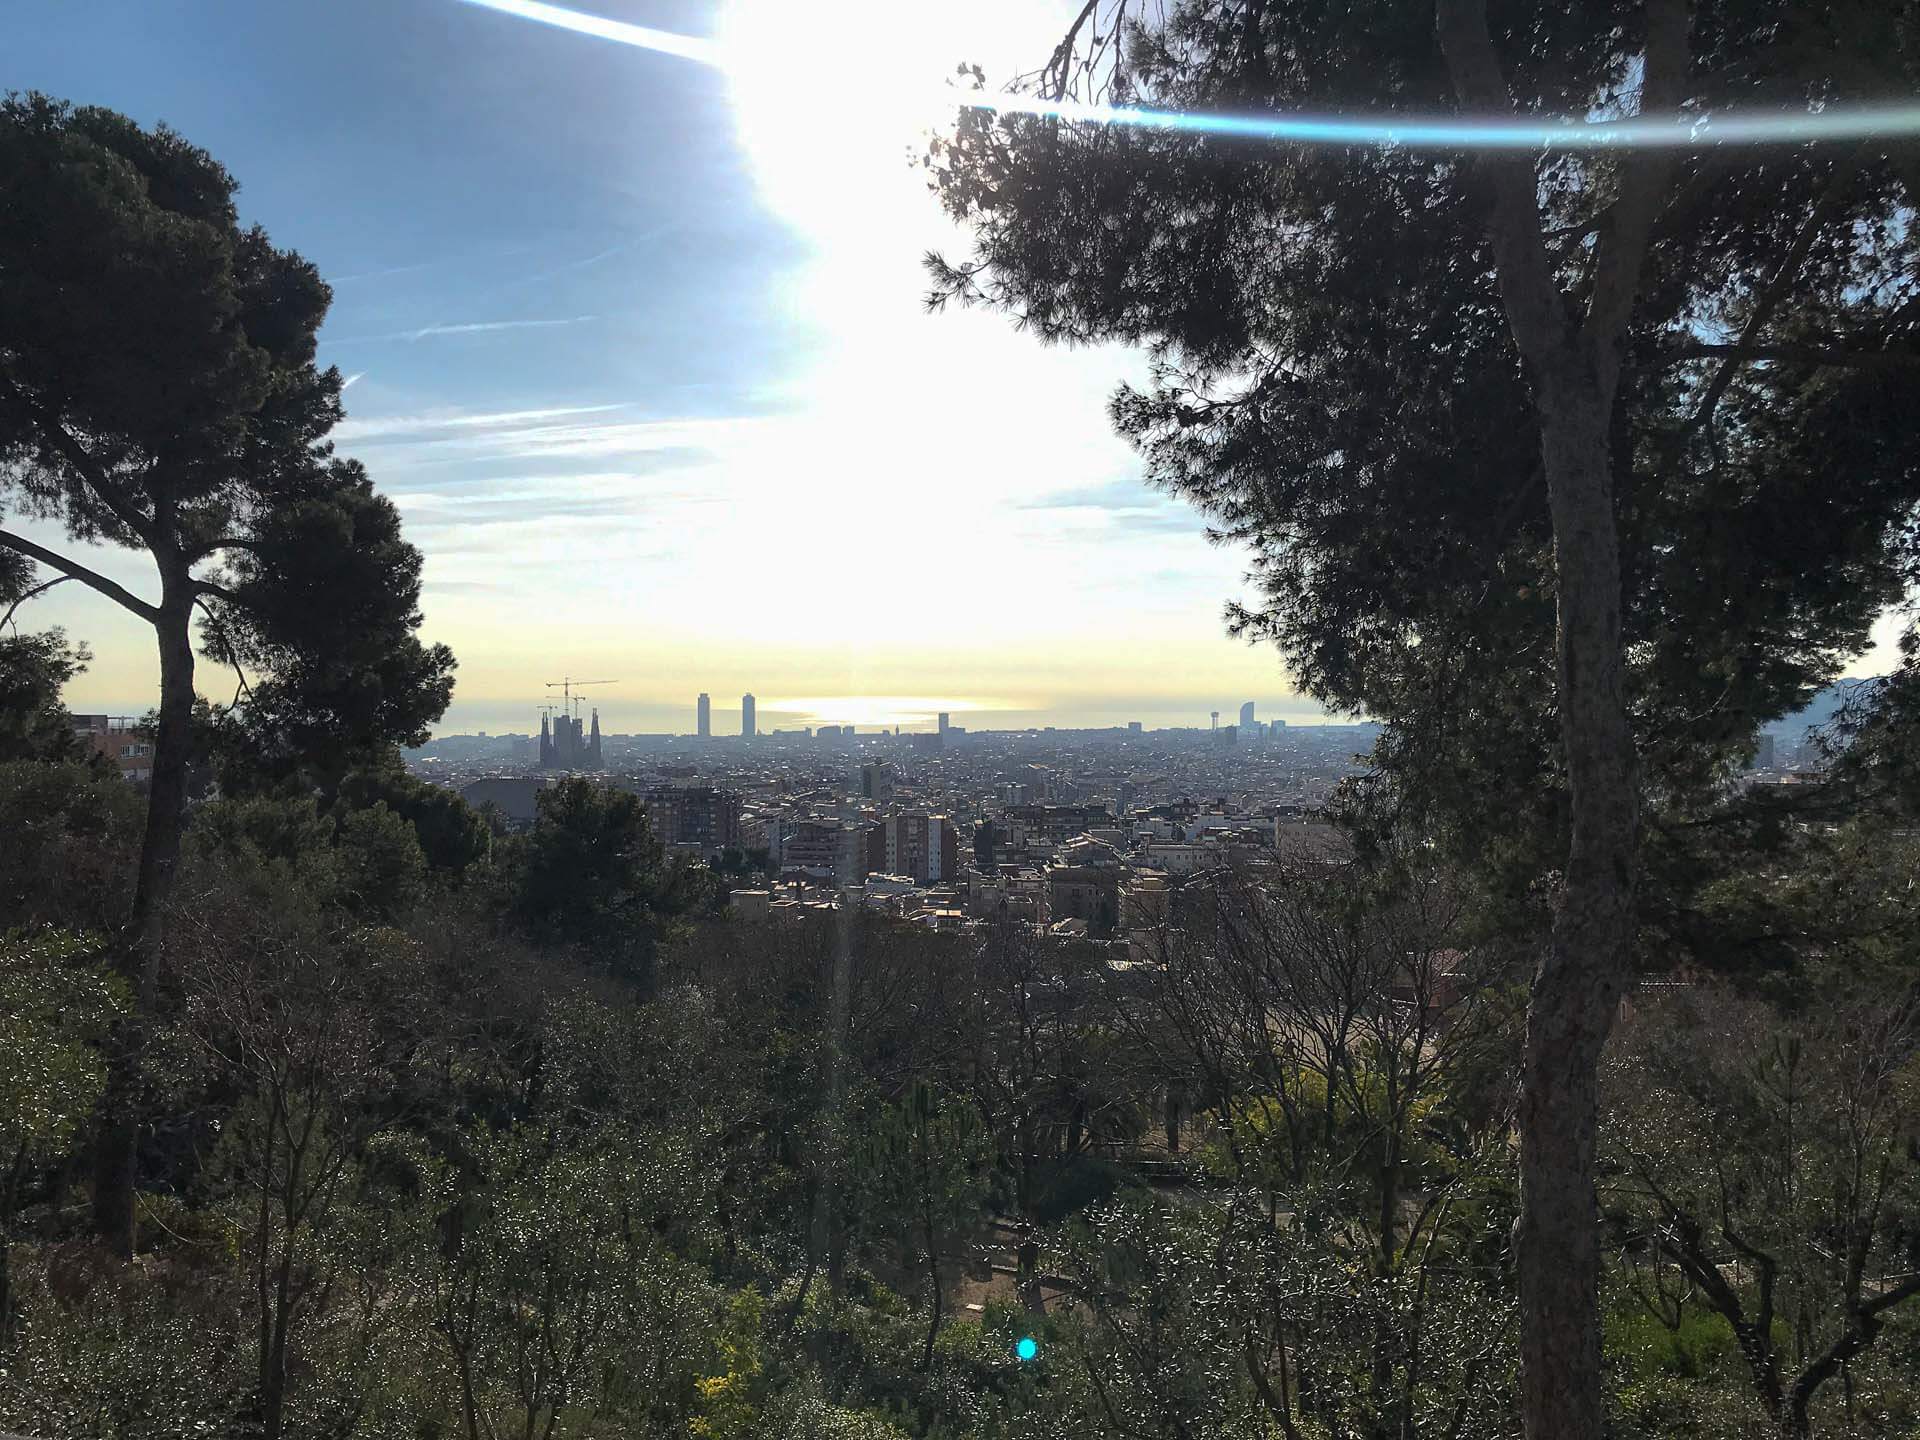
{"x":118,"y":739}
{"x":516,"y":797}
{"x":1089,"y":893}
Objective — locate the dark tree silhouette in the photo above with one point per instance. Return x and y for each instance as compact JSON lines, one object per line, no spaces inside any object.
{"x":1571,"y":467}
{"x":158,"y":393}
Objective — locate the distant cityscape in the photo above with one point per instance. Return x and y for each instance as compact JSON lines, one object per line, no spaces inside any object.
{"x":568,"y":743}
{"x":1070,"y":830}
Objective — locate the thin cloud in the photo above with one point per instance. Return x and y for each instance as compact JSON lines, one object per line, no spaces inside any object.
{"x":352,"y":380}
{"x":426,"y":424}
{"x":476,"y":327}
{"x":382,"y":274}
{"x":480,"y":326}
{"x":586,"y":262}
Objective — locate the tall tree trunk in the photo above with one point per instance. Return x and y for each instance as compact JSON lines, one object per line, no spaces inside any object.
{"x":829,"y":1229}
{"x":9,"y":1204}
{"x":933,"y":1241}
{"x":273,"y":1363}
{"x":1578,"y":985}
{"x":119,"y":1140}
{"x":1573,"y":369}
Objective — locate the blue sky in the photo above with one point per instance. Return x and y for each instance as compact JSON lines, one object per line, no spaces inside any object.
{"x":636,"y":345}
{"x":444,"y":166}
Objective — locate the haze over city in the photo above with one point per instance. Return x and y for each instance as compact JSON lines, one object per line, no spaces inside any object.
{"x":648,"y":403}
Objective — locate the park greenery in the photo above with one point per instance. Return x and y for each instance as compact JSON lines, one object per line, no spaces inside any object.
{"x":332,"y":1108}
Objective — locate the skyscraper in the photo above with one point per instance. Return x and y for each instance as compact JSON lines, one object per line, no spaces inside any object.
{"x":703,"y":715}
{"x":943,"y":722}
{"x":1216,"y":720}
{"x":1246,"y":716}
{"x":746,"y":717}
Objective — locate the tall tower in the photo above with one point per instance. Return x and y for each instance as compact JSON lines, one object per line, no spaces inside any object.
{"x":1246,"y":716}
{"x":1216,"y":720}
{"x":593,"y":744}
{"x":747,"y":731}
{"x":943,"y":722}
{"x":546,"y":745}
{"x":703,"y":715}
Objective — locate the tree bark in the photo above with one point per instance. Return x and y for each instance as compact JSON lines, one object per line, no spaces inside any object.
{"x":119,"y":1141}
{"x":933,"y":1242}
{"x":1578,"y":985}
{"x":9,"y":1202}
{"x":1573,"y":370}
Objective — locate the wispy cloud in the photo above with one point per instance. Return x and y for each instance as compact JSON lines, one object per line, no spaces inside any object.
{"x":584,"y":263}
{"x":525,"y":443}
{"x":478,"y":326}
{"x":612,"y":494}
{"x":1116,"y":505}
{"x":474,"y":327}
{"x":398,"y":426}
{"x":353,"y":379}
{"x":382,"y":273}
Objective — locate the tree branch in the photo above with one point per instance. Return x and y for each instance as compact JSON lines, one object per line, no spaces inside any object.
{"x":1061,"y":62}
{"x":1524,"y":269}
{"x":225,"y":542}
{"x":1779,"y":284}
{"x":1838,"y":358}
{"x":73,"y":570}
{"x":91,"y":471}
{"x":1861,"y":1333}
{"x":226,"y":650}
{"x":26,"y":595}
{"x":1278,"y":1408}
{"x":1644,"y":177}
{"x":218,"y":592}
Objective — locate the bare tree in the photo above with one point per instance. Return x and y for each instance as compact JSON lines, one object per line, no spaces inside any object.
{"x":1766,"y":1170}
{"x":311,"y":1032}
{"x":1322,"y":1013}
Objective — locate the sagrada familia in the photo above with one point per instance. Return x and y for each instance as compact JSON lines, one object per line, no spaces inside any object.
{"x":563,"y":747}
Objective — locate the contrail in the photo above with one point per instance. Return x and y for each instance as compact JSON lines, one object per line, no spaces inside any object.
{"x":477,"y":327}
{"x":687,"y":47}
{"x":1690,"y":132}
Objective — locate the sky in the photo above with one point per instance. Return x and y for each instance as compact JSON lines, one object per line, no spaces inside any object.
{"x":636,"y":345}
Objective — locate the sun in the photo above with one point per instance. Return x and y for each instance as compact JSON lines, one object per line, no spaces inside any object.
{"x":827,"y":110}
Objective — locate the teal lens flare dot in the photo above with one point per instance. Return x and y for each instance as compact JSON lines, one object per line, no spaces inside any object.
{"x":1026,"y":1347}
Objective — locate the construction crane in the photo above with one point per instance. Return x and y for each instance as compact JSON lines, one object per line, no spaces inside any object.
{"x":566,"y":688}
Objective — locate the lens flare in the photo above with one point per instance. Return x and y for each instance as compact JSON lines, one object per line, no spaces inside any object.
{"x":1686,"y":132}
{"x":1026,"y":1347}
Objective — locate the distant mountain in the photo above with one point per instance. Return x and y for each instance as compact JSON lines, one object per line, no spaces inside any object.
{"x":1792,"y":729}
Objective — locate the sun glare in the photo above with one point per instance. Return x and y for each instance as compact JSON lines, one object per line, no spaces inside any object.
{"x":907,"y":711}
{"x":828,"y":113}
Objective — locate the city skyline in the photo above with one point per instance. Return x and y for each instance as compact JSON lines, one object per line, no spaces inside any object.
{"x":912,"y":714}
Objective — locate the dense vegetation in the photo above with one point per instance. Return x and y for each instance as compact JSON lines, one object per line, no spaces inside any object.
{"x":330,"y":1109}
{"x":416,"y":1159}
